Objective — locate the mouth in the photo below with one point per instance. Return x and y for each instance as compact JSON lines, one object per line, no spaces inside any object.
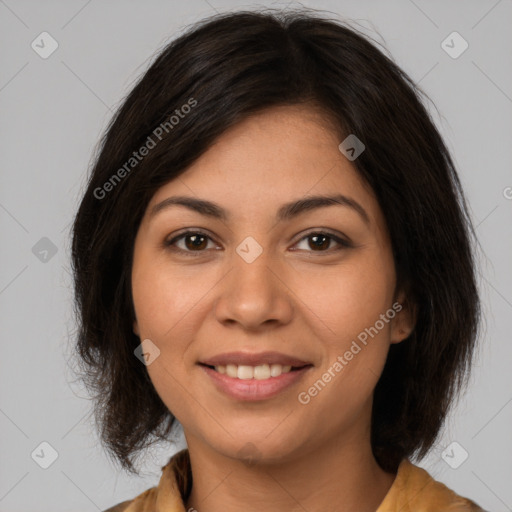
{"x":258,"y":372}
{"x":254,"y":377}
{"x":250,"y":376}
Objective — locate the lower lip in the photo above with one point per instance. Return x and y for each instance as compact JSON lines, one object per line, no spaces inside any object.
{"x":254,"y":389}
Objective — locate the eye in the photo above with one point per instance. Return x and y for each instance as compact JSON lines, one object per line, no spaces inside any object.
{"x":193,"y":242}
{"x":321,"y":240}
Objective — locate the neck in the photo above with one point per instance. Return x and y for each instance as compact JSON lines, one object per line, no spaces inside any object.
{"x":337,"y":475}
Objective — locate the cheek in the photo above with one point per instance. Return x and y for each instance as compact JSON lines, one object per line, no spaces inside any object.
{"x":170,"y":304}
{"x":350,"y":298}
{"x":361,"y":316}
{"x":355,"y":346}
{"x":162,"y":298}
{"x":164,"y":309}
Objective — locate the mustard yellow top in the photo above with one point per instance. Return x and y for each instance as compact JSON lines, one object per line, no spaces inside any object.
{"x":413,"y":490}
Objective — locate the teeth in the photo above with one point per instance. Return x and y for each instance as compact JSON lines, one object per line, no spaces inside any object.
{"x":260,"y":372}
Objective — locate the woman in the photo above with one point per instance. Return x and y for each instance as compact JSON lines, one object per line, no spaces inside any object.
{"x":274,"y":250}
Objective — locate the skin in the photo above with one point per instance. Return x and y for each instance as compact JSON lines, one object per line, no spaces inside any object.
{"x":304,"y":302}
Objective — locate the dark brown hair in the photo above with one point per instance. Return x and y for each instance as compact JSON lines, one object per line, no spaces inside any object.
{"x":225,"y":68}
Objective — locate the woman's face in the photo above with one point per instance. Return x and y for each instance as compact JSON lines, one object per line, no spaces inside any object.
{"x":260,"y":278}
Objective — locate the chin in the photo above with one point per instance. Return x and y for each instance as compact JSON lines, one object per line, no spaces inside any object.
{"x":253,"y":451}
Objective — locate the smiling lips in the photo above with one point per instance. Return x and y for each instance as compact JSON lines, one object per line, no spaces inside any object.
{"x":246,"y":376}
{"x":259,"y":366}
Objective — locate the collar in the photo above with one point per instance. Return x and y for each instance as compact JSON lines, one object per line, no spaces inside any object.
{"x":175,"y":484}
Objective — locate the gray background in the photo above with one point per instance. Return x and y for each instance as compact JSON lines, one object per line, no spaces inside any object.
{"x":53,"y":112}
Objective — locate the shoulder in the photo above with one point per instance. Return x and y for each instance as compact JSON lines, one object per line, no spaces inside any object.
{"x":414,"y":490}
{"x":174,"y":482}
{"x":119,"y":507}
{"x":140,"y":503}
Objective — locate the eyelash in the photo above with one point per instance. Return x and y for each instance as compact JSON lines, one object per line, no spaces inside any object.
{"x":169,"y":244}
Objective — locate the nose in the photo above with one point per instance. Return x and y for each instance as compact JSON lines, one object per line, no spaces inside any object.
{"x":254,"y":295}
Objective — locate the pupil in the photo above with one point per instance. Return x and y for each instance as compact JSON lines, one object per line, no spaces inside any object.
{"x":321,"y":245}
{"x":197,"y":241}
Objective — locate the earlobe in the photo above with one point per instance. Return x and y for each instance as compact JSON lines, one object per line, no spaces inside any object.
{"x":404,"y":321}
{"x":136,"y":328}
{"x":400,"y":336}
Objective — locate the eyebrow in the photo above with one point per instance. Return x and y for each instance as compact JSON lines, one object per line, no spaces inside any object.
{"x":286,"y":212}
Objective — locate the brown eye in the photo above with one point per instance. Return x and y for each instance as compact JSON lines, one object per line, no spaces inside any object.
{"x":196,"y":241}
{"x":321,"y":242}
{"x":191,"y":242}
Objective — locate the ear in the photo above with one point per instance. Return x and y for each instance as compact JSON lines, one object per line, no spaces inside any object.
{"x":404,"y":320}
{"x":136,"y":328}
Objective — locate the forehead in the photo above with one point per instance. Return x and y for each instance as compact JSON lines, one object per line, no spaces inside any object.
{"x":275,"y":156}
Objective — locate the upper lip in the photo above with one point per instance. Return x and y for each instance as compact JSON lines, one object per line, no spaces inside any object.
{"x":255,"y":359}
